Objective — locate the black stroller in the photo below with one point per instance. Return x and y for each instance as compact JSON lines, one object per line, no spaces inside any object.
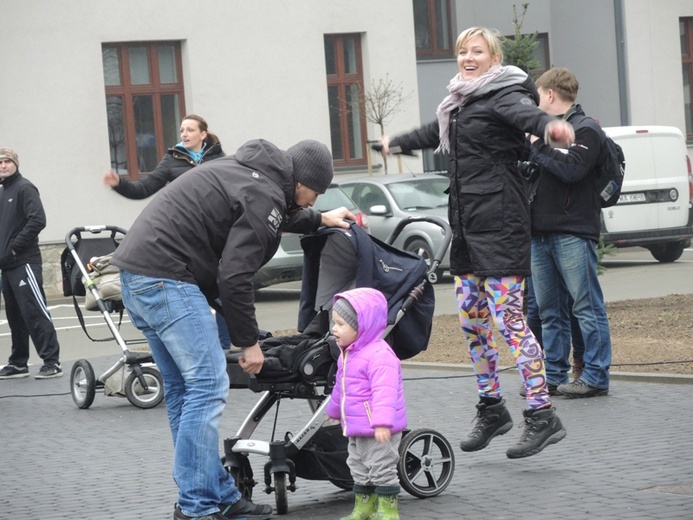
{"x":303,"y":366}
{"x":134,"y":375}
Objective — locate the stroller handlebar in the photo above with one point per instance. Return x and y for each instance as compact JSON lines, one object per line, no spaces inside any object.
{"x":94,"y":230}
{"x":447,"y":238}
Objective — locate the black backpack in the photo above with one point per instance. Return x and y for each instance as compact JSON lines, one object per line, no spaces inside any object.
{"x":611,"y":168}
{"x":611,"y":172}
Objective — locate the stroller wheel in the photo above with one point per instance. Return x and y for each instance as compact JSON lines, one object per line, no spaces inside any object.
{"x":242,"y":475}
{"x":280,"y":494}
{"x":82,"y":383}
{"x":426,"y":463}
{"x":143,"y":397}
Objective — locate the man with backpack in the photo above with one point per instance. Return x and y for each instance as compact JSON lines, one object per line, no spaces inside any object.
{"x":565,"y":231}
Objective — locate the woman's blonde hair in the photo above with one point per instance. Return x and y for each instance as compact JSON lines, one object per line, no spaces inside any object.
{"x":493,"y":39}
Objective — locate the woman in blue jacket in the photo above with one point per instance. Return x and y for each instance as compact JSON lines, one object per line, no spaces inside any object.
{"x":197,"y":145}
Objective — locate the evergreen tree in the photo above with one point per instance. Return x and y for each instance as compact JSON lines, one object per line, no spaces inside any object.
{"x":519,"y":49}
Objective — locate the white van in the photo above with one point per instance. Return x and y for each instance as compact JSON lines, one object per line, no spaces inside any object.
{"x":655,"y":208}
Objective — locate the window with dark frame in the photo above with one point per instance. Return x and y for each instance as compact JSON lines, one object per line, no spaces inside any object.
{"x":541,"y":54}
{"x":686,"y":32}
{"x":344,"y":93}
{"x":144,"y":103}
{"x":433,"y":28}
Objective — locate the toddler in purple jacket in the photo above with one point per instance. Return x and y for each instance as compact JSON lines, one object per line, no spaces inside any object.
{"x":368,"y":400}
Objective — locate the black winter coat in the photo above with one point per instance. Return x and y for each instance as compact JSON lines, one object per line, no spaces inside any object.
{"x":489,"y":210}
{"x":216,"y":226}
{"x":173,"y":164}
{"x":21,"y":219}
{"x":567,"y":198}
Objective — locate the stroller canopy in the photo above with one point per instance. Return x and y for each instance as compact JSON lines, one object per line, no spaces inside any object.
{"x":337,"y":259}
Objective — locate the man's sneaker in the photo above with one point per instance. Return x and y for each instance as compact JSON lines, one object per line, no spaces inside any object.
{"x":49,"y":372}
{"x":553,"y":390}
{"x":581,"y":389}
{"x":491,"y":420}
{"x":542,"y":428}
{"x":13,"y":372}
{"x":178,"y":515}
{"x":244,"y":508}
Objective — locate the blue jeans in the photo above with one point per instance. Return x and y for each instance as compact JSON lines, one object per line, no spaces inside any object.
{"x":534,"y":321}
{"x":566,"y":263}
{"x":223,"y":328}
{"x":182,"y":334}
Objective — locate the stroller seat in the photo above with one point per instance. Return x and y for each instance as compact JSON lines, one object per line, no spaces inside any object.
{"x":293,"y":364}
{"x":336,"y":260}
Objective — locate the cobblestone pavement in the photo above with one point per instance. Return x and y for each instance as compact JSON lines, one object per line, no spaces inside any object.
{"x":628,"y":455}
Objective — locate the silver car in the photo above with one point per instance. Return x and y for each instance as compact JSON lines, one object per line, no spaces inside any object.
{"x":389,"y":199}
{"x":287,"y":263}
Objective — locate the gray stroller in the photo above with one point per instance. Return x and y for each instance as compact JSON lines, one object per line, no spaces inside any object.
{"x":134,"y":375}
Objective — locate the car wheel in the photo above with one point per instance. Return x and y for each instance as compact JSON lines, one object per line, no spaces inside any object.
{"x":667,"y":253}
{"x":421,"y":248}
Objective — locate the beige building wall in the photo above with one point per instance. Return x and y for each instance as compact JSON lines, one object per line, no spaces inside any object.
{"x":653,"y":61}
{"x":251,"y":68}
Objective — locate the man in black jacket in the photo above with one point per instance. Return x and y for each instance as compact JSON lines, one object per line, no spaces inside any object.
{"x":204,"y":237}
{"x":565,"y":231}
{"x":21,"y":220}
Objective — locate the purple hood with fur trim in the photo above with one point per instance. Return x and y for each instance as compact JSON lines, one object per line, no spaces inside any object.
{"x":368,"y":392}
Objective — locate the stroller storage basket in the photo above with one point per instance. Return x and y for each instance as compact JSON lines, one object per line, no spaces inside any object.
{"x":324,"y":458}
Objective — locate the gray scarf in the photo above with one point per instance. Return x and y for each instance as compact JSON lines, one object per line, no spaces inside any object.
{"x":495,"y":78}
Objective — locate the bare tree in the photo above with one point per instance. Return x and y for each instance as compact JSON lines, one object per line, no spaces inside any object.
{"x":382,"y":101}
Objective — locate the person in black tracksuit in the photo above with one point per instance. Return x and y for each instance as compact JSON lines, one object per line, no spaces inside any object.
{"x":21,"y":219}
{"x":482,"y":123}
{"x":204,"y":237}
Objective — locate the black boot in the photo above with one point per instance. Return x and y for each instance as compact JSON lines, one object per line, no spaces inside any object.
{"x":542,"y":428}
{"x":491,"y":420}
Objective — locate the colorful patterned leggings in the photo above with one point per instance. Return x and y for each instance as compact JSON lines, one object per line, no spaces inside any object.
{"x":481,"y":299}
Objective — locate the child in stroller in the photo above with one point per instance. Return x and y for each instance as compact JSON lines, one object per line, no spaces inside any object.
{"x":303,"y":366}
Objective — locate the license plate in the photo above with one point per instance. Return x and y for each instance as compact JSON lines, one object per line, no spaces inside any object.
{"x":631,"y":197}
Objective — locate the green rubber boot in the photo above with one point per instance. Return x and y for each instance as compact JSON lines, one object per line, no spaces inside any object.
{"x":387,"y":508}
{"x":365,"y":503}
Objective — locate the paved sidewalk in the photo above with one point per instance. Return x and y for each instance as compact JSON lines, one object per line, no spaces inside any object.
{"x":628,"y":455}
